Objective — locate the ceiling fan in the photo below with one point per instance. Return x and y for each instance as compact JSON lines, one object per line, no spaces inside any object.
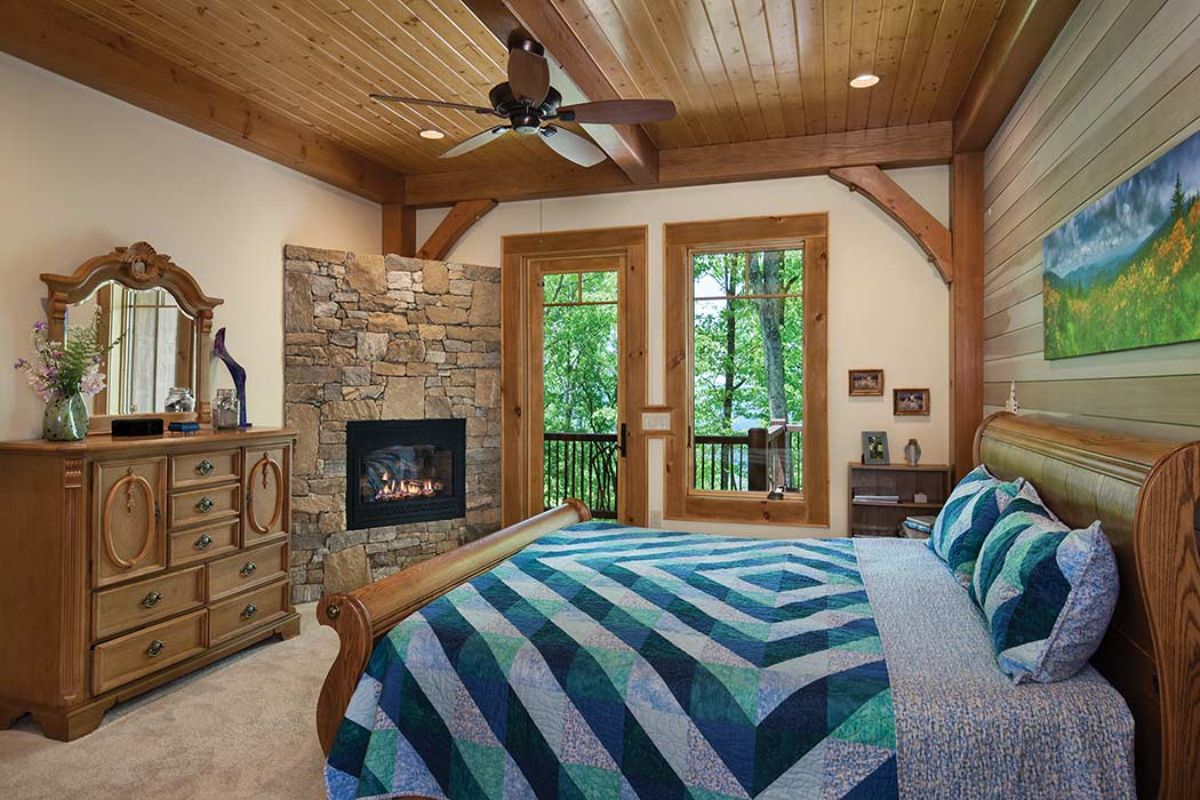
{"x":527,"y":100}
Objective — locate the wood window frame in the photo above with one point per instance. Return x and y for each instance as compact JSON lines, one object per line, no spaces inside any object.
{"x":807,"y":231}
{"x":518,"y":261}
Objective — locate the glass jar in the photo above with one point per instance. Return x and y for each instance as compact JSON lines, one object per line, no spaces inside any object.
{"x":225,"y":409}
{"x":180,"y":401}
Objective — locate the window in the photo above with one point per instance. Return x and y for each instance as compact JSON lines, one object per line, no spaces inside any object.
{"x":746,"y":363}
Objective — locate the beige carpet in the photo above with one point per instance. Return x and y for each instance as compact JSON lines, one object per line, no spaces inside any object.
{"x":242,"y":728}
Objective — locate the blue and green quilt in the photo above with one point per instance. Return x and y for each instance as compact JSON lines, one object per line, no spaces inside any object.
{"x":613,"y":662}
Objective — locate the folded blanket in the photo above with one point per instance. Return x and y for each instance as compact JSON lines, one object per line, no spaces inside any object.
{"x":609,"y":662}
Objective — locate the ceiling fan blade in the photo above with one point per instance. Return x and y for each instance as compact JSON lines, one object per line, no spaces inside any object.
{"x":528,"y":75}
{"x":571,"y":147}
{"x":631,"y":112}
{"x":478,"y":140}
{"x":417,"y":101}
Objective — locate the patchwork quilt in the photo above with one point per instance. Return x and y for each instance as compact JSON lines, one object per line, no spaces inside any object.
{"x":613,"y":662}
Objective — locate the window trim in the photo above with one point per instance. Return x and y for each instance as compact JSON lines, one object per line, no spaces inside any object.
{"x":680,"y":240}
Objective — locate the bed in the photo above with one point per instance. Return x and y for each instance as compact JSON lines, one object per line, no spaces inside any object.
{"x":562,"y":657}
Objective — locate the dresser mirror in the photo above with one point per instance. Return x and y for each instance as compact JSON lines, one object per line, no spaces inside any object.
{"x":161,"y":322}
{"x":152,"y":366}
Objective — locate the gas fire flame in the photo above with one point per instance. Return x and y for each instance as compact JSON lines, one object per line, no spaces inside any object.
{"x":407,"y":488}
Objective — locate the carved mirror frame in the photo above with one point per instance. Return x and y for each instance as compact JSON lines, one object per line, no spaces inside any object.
{"x":138,"y":266}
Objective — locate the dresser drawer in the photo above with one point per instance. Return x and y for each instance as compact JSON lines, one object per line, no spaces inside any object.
{"x":243,"y":570}
{"x":146,"y":601}
{"x":205,"y":469}
{"x":201,"y":505}
{"x":142,"y":652}
{"x":200,"y":544}
{"x":247,"y":610}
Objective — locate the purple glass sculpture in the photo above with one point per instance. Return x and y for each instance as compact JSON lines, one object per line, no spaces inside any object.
{"x":236,"y":371}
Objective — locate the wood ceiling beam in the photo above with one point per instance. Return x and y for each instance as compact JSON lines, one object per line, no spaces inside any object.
{"x":460,"y":219}
{"x":629,"y":146}
{"x":905,"y":146}
{"x":77,"y":48}
{"x":1020,"y":40}
{"x":932,"y":236}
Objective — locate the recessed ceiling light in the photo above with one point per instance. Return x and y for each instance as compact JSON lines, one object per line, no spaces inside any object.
{"x":864,"y":81}
{"x":430,"y":133}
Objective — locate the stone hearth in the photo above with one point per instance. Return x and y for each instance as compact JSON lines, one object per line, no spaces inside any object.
{"x":383,"y":337}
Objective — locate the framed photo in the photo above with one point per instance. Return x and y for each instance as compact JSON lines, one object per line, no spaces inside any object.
{"x":910,"y":402}
{"x":875,"y":447}
{"x":866,"y":383}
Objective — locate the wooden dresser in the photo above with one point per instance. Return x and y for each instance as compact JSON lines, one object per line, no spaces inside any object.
{"x":125,"y":563}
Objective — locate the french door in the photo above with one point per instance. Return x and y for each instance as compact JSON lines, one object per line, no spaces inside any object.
{"x":574,"y":373}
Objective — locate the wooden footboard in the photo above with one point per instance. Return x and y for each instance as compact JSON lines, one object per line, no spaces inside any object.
{"x":361,"y":617}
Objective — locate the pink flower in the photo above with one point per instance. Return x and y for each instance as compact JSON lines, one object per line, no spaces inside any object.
{"x":21,"y":362}
{"x":92,"y":382}
{"x":40,"y":326}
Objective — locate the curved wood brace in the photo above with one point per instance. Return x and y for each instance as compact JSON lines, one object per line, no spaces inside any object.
{"x":364,"y":615}
{"x":932,"y":236}
{"x":265,"y":463}
{"x":129,"y":481}
{"x":460,"y":219}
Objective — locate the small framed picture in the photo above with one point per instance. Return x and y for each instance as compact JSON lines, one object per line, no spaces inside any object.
{"x":866,"y":383}
{"x":875,"y":447}
{"x":910,"y":402}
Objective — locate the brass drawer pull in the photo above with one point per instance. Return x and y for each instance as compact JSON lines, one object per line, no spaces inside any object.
{"x":204,"y":542}
{"x":248,"y":569}
{"x":249,"y":611}
{"x":205,"y":467}
{"x":204,"y":504}
{"x":151,"y":600}
{"x":155,"y":648}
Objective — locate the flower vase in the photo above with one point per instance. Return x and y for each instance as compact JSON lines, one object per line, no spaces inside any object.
{"x":66,"y":419}
{"x":912,"y":452}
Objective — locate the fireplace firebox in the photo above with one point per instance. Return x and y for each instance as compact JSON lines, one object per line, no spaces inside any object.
{"x":400,"y":471}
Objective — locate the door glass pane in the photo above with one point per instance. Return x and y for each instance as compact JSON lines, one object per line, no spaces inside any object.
{"x":748,"y":371}
{"x":580,"y":390}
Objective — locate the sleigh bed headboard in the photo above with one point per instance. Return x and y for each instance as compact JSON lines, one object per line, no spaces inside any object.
{"x":1145,"y":493}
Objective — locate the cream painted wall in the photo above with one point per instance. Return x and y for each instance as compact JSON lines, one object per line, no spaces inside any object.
{"x":887,"y":306}
{"x":82,"y":172}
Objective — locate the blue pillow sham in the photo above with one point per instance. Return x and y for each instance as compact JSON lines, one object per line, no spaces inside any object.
{"x":1047,"y":592}
{"x":965,"y":520}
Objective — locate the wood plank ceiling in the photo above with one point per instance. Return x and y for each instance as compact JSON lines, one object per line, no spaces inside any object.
{"x":738,"y":70}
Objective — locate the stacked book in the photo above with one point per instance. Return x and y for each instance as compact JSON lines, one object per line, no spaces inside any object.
{"x":918,"y":527}
{"x":878,"y":498}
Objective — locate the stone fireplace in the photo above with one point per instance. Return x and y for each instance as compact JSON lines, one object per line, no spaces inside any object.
{"x":372,"y":345}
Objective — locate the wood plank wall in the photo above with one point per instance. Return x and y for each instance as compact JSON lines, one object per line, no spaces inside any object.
{"x":1120,"y":86}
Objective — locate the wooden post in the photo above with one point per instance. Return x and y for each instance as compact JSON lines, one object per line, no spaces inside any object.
{"x":757,"y":479}
{"x":966,"y":308}
{"x":399,"y":230}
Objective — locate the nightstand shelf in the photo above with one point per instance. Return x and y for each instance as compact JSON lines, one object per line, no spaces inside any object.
{"x":879,"y":518}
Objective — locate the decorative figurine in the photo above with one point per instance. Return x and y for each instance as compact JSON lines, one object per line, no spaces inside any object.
{"x":1011,"y":406}
{"x":912,"y":452}
{"x":236,"y":372}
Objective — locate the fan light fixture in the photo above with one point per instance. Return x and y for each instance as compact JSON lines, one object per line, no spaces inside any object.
{"x":864,"y":81}
{"x":430,"y":133}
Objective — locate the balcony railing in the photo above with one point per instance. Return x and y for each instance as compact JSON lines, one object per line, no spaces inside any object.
{"x":584,"y":465}
{"x":581,"y":465}
{"x":762,"y":460}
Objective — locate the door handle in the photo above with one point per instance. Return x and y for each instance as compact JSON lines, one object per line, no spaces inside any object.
{"x":623,"y":446}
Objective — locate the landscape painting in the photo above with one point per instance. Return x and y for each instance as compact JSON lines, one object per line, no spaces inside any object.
{"x":1125,"y":272}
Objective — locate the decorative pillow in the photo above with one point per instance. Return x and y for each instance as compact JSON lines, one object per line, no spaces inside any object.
{"x":965,"y":519}
{"x":1048,"y":592}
